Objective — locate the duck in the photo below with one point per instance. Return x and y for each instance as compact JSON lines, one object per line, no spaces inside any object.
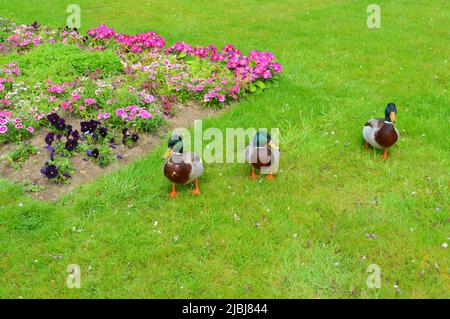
{"x":263,"y":154}
{"x":180,"y":167}
{"x":381,"y":133}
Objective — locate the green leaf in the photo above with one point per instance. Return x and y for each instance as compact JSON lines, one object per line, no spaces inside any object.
{"x":252,"y":88}
{"x":260,"y":84}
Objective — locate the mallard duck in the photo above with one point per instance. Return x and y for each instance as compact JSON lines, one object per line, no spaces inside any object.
{"x":181,"y":168}
{"x":381,"y":133}
{"x":262,"y":153}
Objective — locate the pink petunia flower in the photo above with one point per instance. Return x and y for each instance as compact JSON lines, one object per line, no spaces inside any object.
{"x":89,"y":101}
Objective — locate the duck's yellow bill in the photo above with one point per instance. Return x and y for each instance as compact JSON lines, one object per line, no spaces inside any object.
{"x":273,"y":145}
{"x":167,"y":154}
{"x":392,"y":116}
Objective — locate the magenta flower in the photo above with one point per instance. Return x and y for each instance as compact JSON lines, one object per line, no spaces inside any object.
{"x":55,"y":89}
{"x":3,"y":129}
{"x":137,"y":43}
{"x":266,"y":74}
{"x":75,"y":97}
{"x":89,"y":101}
{"x":101,"y":32}
{"x":65,"y":104}
{"x":277,"y":67}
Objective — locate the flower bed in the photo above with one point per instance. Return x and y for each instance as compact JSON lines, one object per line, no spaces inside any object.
{"x":116,"y":82}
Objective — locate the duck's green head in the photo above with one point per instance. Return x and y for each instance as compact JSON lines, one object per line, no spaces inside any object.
{"x":390,"y":114}
{"x":175,"y":145}
{"x":262,"y":139}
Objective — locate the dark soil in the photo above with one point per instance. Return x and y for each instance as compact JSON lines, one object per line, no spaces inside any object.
{"x":86,"y":171}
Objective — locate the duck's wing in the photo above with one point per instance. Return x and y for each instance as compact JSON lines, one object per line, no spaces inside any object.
{"x":196,"y":164}
{"x":375,"y":123}
{"x":370,"y":128}
{"x":250,"y":149}
{"x":398,"y":133}
{"x":275,"y":155}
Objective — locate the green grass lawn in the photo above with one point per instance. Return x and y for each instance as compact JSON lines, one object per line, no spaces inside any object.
{"x":330,"y":191}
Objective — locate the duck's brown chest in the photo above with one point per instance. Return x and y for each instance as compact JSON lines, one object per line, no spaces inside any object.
{"x":261,"y":157}
{"x":177,"y":172}
{"x":386,"y":136}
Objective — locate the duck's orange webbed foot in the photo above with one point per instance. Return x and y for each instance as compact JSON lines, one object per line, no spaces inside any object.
{"x":270,"y":177}
{"x":367,"y":145}
{"x":173,"y":194}
{"x":385,"y":154}
{"x":196,"y":191}
{"x":253,"y":176}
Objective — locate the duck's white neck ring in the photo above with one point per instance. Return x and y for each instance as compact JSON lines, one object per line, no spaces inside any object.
{"x":387,"y":122}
